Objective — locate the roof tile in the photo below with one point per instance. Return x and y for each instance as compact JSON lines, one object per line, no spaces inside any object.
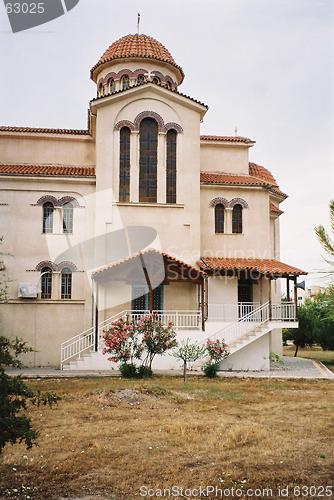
{"x":137,"y":46}
{"x":227,"y":138}
{"x":47,"y":170}
{"x":263,"y":266}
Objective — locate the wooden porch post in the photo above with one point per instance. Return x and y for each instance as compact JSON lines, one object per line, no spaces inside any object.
{"x":288,"y":288}
{"x":148,"y":284}
{"x":270,"y":299}
{"x":295,"y":296}
{"x":203,"y":305}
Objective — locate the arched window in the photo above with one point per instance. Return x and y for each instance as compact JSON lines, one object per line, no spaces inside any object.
{"x":156,"y":80}
{"x":111,"y":85}
{"x":125,"y":82}
{"x":169,"y":85}
{"x":100,"y":90}
{"x":237,"y":219}
{"x":148,"y":140}
{"x":48,"y":217}
{"x":68,"y":218}
{"x":124,"y":165}
{"x":140,"y":79}
{"x":46,"y":283}
{"x":171,"y":166}
{"x":219,"y":218}
{"x":66,"y":283}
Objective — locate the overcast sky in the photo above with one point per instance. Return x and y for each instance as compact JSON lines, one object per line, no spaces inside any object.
{"x":265,"y":66}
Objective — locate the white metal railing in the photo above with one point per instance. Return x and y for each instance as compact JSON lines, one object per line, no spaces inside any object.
{"x":285,"y":311}
{"x":85,"y":341}
{"x":230,"y":312}
{"x":230,"y":333}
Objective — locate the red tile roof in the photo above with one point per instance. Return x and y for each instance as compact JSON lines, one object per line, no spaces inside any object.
{"x":258,"y":176}
{"x":275,"y":210}
{"x":232,"y":179}
{"x":137,"y":46}
{"x":47,"y":170}
{"x":227,"y":138}
{"x":37,"y":130}
{"x":263,"y":266}
{"x":149,"y":251}
{"x":263,"y":173}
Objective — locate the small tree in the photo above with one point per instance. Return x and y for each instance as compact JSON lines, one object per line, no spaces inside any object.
{"x":15,"y":425}
{"x":157,"y":338}
{"x":189,"y":352}
{"x":326,"y":240}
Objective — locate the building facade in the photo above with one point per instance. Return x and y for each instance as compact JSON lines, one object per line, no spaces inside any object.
{"x":140,"y":212}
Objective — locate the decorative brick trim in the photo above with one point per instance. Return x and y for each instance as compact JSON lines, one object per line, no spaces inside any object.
{"x":46,"y":263}
{"x":48,"y":198}
{"x":124,"y":123}
{"x":219,"y":201}
{"x":175,"y":126}
{"x":238,"y":201}
{"x":138,"y":72}
{"x":68,"y":199}
{"x":68,"y":264}
{"x":149,"y":114}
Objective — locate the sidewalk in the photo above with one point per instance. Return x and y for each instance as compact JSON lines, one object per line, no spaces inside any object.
{"x":293,"y":368}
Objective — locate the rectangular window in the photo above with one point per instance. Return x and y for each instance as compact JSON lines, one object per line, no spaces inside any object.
{"x":68,"y":218}
{"x":48,"y":218}
{"x":66,"y":285}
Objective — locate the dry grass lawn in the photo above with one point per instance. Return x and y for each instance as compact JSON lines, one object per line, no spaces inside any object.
{"x":107,"y":437}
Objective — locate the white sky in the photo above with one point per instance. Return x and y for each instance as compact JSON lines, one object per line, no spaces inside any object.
{"x":265,"y":66}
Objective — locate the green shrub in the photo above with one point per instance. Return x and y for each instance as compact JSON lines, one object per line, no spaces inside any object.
{"x":210,"y":369}
{"x":128,"y":370}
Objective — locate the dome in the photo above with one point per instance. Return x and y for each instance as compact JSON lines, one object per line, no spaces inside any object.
{"x":137,"y":47}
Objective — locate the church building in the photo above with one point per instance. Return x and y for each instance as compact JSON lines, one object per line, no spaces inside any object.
{"x":139,"y":213}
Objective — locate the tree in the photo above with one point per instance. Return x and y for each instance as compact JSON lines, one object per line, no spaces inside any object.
{"x":15,"y":395}
{"x":326,"y":240}
{"x":188,"y":352}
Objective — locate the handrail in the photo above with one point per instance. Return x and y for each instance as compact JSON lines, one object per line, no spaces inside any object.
{"x":235,"y":330}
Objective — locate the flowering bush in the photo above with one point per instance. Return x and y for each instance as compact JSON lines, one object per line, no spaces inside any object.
{"x":126,"y":340}
{"x":216,"y":350}
{"x":122,"y":342}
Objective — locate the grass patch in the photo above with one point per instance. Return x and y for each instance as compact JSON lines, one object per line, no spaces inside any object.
{"x":109,"y":436}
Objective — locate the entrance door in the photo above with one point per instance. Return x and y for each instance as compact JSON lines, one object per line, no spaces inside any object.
{"x":245,"y":291}
{"x":141,"y":298}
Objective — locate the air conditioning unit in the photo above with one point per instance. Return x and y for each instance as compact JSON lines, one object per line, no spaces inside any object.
{"x":28,"y":291}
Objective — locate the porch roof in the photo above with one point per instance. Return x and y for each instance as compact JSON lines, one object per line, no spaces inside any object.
{"x":158,"y":266}
{"x":263,"y":266}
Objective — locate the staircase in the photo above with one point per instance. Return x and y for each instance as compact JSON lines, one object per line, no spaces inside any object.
{"x":241,"y":333}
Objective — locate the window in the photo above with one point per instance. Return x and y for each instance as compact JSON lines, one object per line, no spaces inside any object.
{"x":219,"y":218}
{"x":66,"y":283}
{"x":141,"y":298}
{"x":68,"y":218}
{"x":124,"y":165}
{"x":171,"y":166}
{"x":148,"y":140}
{"x":48,"y":217}
{"x":125,"y":82}
{"x":140,"y":79}
{"x":46,"y":283}
{"x":156,"y":80}
{"x":237,"y":219}
{"x":111,"y":85}
{"x":100,"y":90}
